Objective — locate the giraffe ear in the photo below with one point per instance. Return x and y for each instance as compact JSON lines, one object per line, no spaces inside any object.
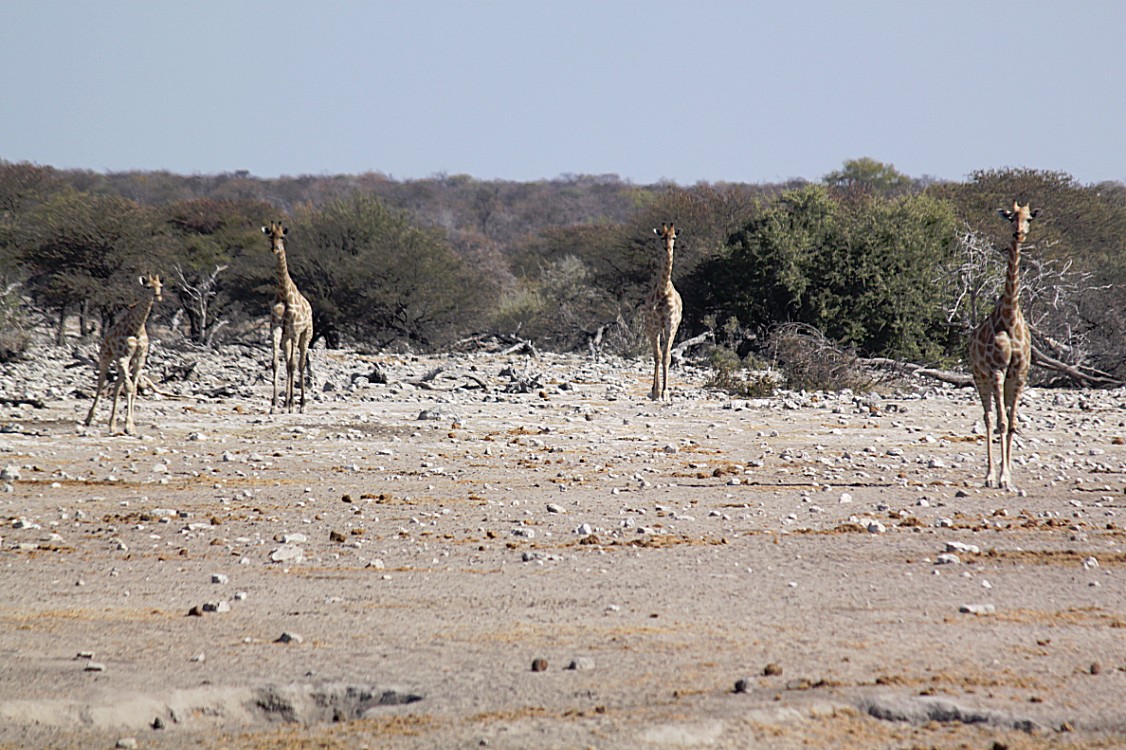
{"x":656,"y":231}
{"x":1005,"y":214}
{"x":1034,"y":214}
{"x":265,"y":230}
{"x":143,"y":280}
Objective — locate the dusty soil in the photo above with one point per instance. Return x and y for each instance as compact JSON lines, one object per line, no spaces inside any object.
{"x":453,"y":532}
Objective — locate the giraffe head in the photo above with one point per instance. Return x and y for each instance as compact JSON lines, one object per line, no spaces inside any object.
{"x":667,"y":232}
{"x":153,"y":282}
{"x":276,"y":232}
{"x":1020,"y":217}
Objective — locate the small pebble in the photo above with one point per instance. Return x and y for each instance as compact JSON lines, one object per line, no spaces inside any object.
{"x":288,"y":637}
{"x":539,"y":665}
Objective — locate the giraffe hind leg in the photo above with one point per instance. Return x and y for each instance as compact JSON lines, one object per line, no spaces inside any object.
{"x":103,"y":369}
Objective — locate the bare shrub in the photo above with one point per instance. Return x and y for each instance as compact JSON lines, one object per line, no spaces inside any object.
{"x":14,"y":336}
{"x":812,"y":362}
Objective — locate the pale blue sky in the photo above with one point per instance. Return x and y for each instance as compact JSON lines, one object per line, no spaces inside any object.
{"x":688,"y":91}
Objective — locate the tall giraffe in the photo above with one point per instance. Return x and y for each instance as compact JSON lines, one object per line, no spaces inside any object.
{"x":1000,"y":353}
{"x":662,"y":308}
{"x":126,"y":343}
{"x":291,"y":324}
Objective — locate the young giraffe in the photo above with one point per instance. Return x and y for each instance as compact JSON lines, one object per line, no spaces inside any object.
{"x":291,"y":324}
{"x":663,"y":308}
{"x":126,"y":342}
{"x":1000,"y":353}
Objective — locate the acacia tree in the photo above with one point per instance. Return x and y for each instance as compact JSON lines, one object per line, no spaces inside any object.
{"x":209,"y":235}
{"x":85,"y":251}
{"x":372,"y":274}
{"x":1074,"y":266}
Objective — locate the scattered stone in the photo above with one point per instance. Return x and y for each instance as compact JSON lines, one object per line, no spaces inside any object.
{"x":288,"y":637}
{"x":947,"y":559}
{"x":1090,"y":563}
{"x":128,"y":743}
{"x":977,"y":609}
{"x":970,"y":549}
{"x":288,"y":553}
{"x":336,"y":536}
{"x":157,"y":723}
{"x":539,"y":665}
{"x":218,"y":607}
{"x":772,"y":669}
{"x":220,"y":578}
{"x":742,"y":684}
{"x":95,"y":666}
{"x":582,"y":663}
{"x":1095,"y":668}
{"x":875,"y":527}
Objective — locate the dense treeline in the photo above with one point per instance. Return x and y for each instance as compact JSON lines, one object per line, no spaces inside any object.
{"x":877,"y":261}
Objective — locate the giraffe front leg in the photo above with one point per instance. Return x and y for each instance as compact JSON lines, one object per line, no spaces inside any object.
{"x":996,"y":399}
{"x":666,"y":360}
{"x":1006,"y":482}
{"x":138,"y":366}
{"x":276,"y":338}
{"x":655,"y":392}
{"x":290,"y":369}
{"x":302,"y":362}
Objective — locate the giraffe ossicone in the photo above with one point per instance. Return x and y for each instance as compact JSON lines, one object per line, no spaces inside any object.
{"x":126,"y":344}
{"x":1000,"y":354}
{"x":662,"y":310}
{"x":291,"y":324}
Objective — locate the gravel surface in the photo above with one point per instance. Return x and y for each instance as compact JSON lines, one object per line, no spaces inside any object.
{"x":483,"y":550}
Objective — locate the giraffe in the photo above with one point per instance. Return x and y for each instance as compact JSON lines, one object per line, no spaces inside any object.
{"x":1000,"y":353}
{"x":662,"y":309}
{"x":126,"y":342}
{"x":291,"y":324}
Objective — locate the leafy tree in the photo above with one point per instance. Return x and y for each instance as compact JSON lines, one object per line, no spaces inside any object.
{"x":870,"y":176}
{"x":864,"y":271}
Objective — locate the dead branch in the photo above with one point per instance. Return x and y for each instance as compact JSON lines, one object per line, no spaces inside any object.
{"x":944,"y":376}
{"x":1093,"y":378}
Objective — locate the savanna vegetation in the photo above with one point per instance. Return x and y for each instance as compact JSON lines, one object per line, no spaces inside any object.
{"x":875,"y":261}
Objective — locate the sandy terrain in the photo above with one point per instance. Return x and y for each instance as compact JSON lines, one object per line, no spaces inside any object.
{"x":389,"y":569}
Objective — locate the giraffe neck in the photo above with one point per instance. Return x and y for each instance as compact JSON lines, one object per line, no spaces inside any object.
{"x":1010,"y":300}
{"x":139,"y":313}
{"x":284,"y":281}
{"x":664,"y":281}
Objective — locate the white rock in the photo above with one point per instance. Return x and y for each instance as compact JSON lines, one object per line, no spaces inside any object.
{"x":288,"y":553}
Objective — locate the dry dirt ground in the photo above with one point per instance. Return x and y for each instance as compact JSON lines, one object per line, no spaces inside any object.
{"x":444,"y":561}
